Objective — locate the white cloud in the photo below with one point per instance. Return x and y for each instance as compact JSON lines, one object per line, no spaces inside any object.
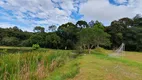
{"x":28,"y":12}
{"x":6,"y":25}
{"x":25,"y":11}
{"x":104,"y":11}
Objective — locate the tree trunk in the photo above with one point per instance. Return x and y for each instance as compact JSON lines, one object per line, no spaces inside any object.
{"x":98,"y":46}
{"x":89,"y":49}
{"x":92,"y":46}
{"x":83,"y":46}
{"x":65,"y":47}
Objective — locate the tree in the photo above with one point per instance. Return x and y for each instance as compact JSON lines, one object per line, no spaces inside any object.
{"x":133,"y":39}
{"x":52,"y":28}
{"x":15,"y":28}
{"x":37,"y":39}
{"x":116,"y":31}
{"x":82,"y":24}
{"x":137,"y":16}
{"x":39,"y":29}
{"x":10,"y":41}
{"x":126,"y":22}
{"x":92,"y":37}
{"x":91,"y":23}
{"x":137,"y":20}
{"x":101,"y":37}
{"x":68,"y":35}
{"x":52,"y":40}
{"x":98,"y":25}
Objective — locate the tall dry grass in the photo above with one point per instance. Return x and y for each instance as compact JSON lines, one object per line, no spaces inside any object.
{"x":35,"y":65}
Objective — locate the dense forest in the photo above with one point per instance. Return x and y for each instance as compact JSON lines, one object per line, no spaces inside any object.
{"x":81,"y":35}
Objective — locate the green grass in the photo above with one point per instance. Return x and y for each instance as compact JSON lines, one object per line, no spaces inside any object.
{"x":35,"y":65}
{"x":51,"y":64}
{"x":9,"y":49}
{"x":100,"y":66}
{"x":69,"y":70}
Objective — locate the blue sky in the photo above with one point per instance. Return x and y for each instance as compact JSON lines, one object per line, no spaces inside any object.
{"x":26,"y":14}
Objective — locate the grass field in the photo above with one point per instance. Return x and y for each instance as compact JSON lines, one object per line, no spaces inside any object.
{"x":49,"y":64}
{"x":42,"y":64}
{"x":99,"y":66}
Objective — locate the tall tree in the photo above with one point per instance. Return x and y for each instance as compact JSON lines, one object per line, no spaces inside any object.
{"x":138,"y":20}
{"x":37,"y":39}
{"x":52,"y":40}
{"x":39,"y":29}
{"x":133,"y":39}
{"x":99,"y":25}
{"x":92,"y":37}
{"x":116,"y":32}
{"x":52,"y":28}
{"x":91,"y":23}
{"x":82,"y":24}
{"x":126,"y":22}
{"x":68,"y":35}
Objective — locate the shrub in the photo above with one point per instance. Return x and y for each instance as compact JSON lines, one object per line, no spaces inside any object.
{"x":35,"y":46}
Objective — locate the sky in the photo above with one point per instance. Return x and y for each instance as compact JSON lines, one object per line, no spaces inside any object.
{"x":26,"y":14}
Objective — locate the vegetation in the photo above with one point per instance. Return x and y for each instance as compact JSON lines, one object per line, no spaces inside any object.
{"x":92,"y":37}
{"x":35,"y":46}
{"x":37,"y":65}
{"x":69,"y":35}
{"x":99,"y":66}
{"x":50,"y":64}
{"x":29,"y":59}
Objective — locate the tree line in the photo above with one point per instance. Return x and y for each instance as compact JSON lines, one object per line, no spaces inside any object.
{"x":81,"y":35}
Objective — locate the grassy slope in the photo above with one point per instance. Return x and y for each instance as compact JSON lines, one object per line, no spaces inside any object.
{"x":99,"y":66}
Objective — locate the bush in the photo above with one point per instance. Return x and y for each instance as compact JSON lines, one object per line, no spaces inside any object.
{"x":35,"y":46}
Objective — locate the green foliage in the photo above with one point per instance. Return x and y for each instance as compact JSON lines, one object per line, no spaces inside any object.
{"x":68,"y":35}
{"x":52,"y":40}
{"x":10,"y":41}
{"x":98,"y":25}
{"x":25,"y":43}
{"x":38,"y":38}
{"x":132,"y":39}
{"x":35,"y":46}
{"x":82,"y":24}
{"x":92,"y":37}
{"x":39,"y":29}
{"x":52,"y":28}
